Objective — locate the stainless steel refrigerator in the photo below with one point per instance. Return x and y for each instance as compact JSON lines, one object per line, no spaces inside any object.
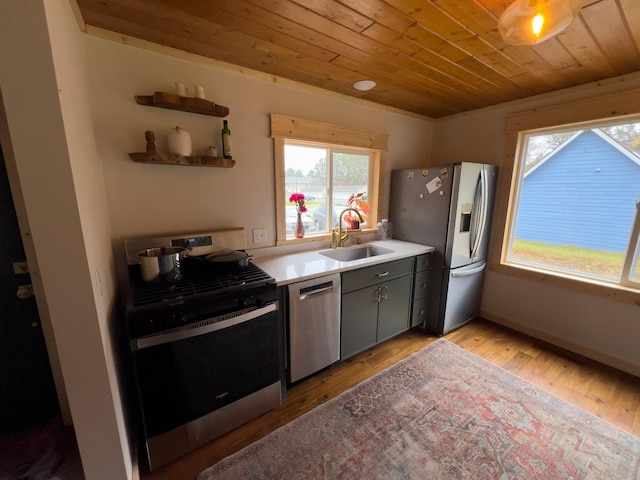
{"x":448,"y":207}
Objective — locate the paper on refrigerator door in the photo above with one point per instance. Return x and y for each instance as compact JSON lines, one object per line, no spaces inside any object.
{"x":434,"y":184}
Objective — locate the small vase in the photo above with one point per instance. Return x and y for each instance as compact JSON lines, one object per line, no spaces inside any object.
{"x":299,"y":230}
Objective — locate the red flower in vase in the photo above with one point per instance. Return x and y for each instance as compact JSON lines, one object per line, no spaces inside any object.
{"x":298,"y":199}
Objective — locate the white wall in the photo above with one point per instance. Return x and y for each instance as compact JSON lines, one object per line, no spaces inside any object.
{"x":146,"y":199}
{"x":592,"y":325}
{"x":51,"y":145}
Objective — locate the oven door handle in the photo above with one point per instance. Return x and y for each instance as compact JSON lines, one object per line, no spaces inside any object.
{"x":200,"y":328}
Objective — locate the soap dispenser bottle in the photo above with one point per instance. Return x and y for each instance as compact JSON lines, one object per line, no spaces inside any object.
{"x":334,"y":238}
{"x":385,"y":230}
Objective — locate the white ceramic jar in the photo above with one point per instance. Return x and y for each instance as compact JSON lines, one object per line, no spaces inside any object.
{"x":179,"y":142}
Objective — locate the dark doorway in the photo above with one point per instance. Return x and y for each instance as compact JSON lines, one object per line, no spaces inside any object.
{"x":27,"y":390}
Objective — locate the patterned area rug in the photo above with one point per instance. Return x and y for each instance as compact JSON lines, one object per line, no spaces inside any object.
{"x":442,"y":413}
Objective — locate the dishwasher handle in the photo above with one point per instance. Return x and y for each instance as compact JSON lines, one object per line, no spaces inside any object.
{"x":316,"y":289}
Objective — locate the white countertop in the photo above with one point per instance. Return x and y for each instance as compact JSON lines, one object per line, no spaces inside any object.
{"x":295,"y":267}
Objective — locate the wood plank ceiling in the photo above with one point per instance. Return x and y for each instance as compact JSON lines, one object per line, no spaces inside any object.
{"x":429,"y":57}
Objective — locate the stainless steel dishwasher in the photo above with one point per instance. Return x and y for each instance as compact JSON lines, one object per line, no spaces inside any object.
{"x":314,"y":325}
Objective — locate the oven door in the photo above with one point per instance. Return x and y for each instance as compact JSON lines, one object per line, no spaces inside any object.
{"x":185,"y":373}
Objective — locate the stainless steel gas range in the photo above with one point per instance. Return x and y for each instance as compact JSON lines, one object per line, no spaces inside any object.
{"x":207,"y":346}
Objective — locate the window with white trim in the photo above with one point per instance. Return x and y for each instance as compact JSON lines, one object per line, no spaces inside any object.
{"x":575,"y":202}
{"x":321,"y":170}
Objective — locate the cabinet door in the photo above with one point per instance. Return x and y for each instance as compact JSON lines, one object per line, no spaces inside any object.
{"x":359,"y":321}
{"x":393,"y":311}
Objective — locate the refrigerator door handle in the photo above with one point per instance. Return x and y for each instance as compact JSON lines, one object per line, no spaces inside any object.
{"x":481,"y":223}
{"x":475,"y":221}
{"x":466,"y":273}
{"x":485,"y":205}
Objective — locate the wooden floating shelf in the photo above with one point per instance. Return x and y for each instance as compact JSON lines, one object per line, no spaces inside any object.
{"x":185,"y":104}
{"x":170,"y":159}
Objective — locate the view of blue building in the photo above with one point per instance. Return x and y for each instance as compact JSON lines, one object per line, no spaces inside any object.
{"x":582,"y":194}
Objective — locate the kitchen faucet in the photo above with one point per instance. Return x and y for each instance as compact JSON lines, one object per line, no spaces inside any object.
{"x":343,"y":238}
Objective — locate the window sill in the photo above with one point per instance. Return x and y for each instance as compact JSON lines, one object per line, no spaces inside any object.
{"x":585,"y":285}
{"x":325,"y":236}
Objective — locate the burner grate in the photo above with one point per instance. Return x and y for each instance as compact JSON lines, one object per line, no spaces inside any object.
{"x":197,"y":282}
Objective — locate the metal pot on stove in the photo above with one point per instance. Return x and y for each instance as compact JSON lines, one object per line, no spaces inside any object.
{"x":230,"y":260}
{"x":161,"y":263}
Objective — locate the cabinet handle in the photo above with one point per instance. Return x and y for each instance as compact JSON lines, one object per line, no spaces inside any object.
{"x":383,"y":274}
{"x":377,"y":296}
{"x":384,"y":289}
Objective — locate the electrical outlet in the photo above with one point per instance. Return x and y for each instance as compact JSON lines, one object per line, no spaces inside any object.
{"x":259,"y":235}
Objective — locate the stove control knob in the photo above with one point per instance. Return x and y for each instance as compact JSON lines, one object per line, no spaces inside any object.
{"x":241,"y":302}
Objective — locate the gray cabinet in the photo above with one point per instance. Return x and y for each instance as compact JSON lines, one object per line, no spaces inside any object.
{"x":393,"y":312}
{"x":359,"y":321}
{"x":421,"y":289}
{"x":376,"y":304}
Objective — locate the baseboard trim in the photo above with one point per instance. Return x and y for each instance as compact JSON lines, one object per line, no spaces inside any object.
{"x":588,"y":352}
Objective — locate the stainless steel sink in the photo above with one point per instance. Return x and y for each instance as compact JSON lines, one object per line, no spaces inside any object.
{"x":349,"y":254}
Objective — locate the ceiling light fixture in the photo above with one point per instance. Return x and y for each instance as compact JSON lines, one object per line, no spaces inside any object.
{"x":527,"y":22}
{"x":364,"y":85}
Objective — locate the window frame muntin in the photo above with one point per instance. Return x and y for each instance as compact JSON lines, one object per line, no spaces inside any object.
{"x":632,"y":254}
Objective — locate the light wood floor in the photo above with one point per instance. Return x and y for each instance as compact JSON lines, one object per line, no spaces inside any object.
{"x":603,"y":391}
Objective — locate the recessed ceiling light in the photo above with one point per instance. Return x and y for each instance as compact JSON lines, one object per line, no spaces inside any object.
{"x":364,"y":85}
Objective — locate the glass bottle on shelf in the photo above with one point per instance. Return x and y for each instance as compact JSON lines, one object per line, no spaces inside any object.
{"x":226,"y":140}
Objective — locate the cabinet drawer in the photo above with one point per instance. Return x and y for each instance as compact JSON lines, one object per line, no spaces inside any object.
{"x":424,"y":262}
{"x":419,"y":311}
{"x":374,"y":274}
{"x":422,"y":284}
